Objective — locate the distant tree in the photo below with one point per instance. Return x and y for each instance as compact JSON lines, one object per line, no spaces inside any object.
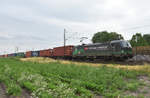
{"x":100,"y":37}
{"x":115,"y":36}
{"x":147,"y":38}
{"x":138,"y":40}
{"x":105,"y":36}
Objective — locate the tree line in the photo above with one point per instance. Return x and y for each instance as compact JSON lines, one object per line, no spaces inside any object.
{"x":137,"y":40}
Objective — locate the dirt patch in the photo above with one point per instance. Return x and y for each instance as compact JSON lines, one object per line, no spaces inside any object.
{"x":99,"y":97}
{"x":2,"y":91}
{"x":144,"y":90}
{"x":24,"y":94}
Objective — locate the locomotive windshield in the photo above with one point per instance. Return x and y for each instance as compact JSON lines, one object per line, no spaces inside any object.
{"x":118,"y":44}
{"x":125,"y":44}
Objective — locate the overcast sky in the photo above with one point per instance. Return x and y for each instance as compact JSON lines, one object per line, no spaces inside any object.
{"x":39,"y":24}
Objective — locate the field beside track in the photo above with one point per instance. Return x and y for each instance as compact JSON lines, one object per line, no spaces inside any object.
{"x":48,"y":78}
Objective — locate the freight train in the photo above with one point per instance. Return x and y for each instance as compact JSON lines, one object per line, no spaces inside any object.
{"x":108,"y":50}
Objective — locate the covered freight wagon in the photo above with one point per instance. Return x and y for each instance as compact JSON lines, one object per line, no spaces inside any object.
{"x":46,"y":53}
{"x":63,"y":51}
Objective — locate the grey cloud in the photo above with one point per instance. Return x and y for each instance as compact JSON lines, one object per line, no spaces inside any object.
{"x":39,"y":23}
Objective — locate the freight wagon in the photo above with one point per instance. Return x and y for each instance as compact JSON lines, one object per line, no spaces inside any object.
{"x":46,"y":53}
{"x":60,"y":52}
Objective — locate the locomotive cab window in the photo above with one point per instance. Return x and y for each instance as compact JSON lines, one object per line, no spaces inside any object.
{"x":116,"y":45}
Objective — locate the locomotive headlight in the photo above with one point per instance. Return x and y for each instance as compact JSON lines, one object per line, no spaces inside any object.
{"x":122,"y":51}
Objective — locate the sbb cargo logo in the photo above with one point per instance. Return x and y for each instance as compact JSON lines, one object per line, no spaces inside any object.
{"x":79,"y":52}
{"x":98,"y":48}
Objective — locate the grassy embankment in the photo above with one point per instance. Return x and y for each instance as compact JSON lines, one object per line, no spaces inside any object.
{"x":53,"y":79}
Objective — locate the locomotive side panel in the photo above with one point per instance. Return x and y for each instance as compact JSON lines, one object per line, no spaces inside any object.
{"x":98,"y":50}
{"x":93,"y":50}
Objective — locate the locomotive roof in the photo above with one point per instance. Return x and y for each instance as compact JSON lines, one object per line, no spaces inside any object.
{"x":92,"y":44}
{"x":117,"y":41}
{"x":95,"y":44}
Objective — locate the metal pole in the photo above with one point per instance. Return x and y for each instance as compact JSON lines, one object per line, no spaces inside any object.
{"x":64,"y":42}
{"x":16,"y":49}
{"x":136,"y":48}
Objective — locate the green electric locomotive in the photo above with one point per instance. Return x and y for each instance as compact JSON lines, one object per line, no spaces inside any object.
{"x":113,"y":49}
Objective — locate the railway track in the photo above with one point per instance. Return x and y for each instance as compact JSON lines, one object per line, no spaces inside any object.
{"x":107,"y":62}
{"x":116,"y":62}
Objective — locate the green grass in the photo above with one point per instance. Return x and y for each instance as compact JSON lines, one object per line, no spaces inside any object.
{"x":55,"y":80}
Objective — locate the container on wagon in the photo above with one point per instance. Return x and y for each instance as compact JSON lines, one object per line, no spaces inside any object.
{"x":28,"y":54}
{"x":9,"y":55}
{"x":6,"y":55}
{"x":46,"y":53}
{"x":20,"y":54}
{"x":63,"y":51}
{"x":1,"y":56}
{"x":12,"y":55}
{"x":32,"y":53}
{"x":35,"y":53}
